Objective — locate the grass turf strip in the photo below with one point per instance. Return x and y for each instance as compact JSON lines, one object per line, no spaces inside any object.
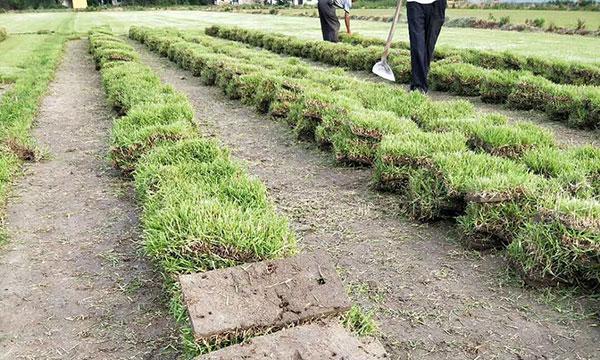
{"x":304,"y":96}
{"x":577,"y":106}
{"x":19,"y":106}
{"x":503,"y":140}
{"x":491,"y":134}
{"x":492,"y":196}
{"x":201,"y":209}
{"x":558,"y":71}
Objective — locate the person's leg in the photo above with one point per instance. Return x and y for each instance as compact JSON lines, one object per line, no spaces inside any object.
{"x":322,"y":20}
{"x":333,"y":23}
{"x":435,"y":19}
{"x":418,"y":46}
{"x":428,"y":15}
{"x":337,"y":25}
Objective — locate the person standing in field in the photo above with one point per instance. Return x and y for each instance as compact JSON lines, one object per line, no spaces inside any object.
{"x":425,"y":20}
{"x":330,"y":25}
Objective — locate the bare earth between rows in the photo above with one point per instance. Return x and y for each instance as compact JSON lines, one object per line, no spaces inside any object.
{"x":433,"y":299}
{"x":73,"y":283}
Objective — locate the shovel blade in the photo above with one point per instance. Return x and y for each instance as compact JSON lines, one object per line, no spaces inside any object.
{"x":383,"y":69}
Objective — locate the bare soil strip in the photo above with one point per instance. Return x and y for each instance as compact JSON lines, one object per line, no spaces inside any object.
{"x":73,"y":284}
{"x":432,"y":298}
{"x":4,"y":88}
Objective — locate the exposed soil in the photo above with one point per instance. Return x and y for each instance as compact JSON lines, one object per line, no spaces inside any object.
{"x":310,"y":341}
{"x":275,"y":294}
{"x":433,"y":299}
{"x":73,"y":284}
{"x":4,"y":88}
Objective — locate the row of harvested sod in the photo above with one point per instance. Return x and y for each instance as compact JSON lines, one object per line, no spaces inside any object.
{"x":557,"y":71}
{"x":200,"y":209}
{"x":576,"y":105}
{"x":496,"y":200}
{"x":574,"y":170}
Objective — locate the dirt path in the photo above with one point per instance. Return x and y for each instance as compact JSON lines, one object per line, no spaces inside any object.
{"x":432,"y":298}
{"x":4,"y":88}
{"x":73,"y":283}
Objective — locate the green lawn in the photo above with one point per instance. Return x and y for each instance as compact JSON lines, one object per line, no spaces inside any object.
{"x":560,"y":18}
{"x":33,"y":22}
{"x":566,"y":19}
{"x":568,"y":47}
{"x":16,"y":50}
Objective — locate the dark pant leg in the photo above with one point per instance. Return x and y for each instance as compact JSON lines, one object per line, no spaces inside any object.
{"x":323,"y":23}
{"x":416,"y":16}
{"x":436,"y":19}
{"x":330,"y":25}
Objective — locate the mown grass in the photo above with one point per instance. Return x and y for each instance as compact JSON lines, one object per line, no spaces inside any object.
{"x":580,"y":105}
{"x":473,"y":169}
{"x":563,"y":243}
{"x":15,"y":52}
{"x":19,"y":105}
{"x":558,"y":71}
{"x":360,"y":322}
{"x":551,"y":46}
{"x":489,"y":134}
{"x":201,"y":210}
{"x":559,"y":18}
{"x":38,"y":21}
{"x":566,"y":19}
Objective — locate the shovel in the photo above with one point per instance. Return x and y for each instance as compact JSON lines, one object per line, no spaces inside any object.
{"x":382,"y":68}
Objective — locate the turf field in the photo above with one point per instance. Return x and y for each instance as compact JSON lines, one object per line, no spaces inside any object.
{"x":567,"y":47}
{"x":566,"y":19}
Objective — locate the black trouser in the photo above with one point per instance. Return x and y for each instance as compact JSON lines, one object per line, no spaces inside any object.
{"x":424,"y":24}
{"x":330,"y":25}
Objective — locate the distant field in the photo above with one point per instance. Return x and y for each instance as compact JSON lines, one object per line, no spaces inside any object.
{"x":560,"y":18}
{"x":577,"y":48}
{"x":566,"y":19}
{"x":33,"y":22}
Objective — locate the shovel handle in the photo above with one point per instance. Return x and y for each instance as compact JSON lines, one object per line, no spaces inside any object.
{"x":388,"y":44}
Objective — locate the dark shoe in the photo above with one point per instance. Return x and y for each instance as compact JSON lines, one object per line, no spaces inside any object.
{"x":421,"y":90}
